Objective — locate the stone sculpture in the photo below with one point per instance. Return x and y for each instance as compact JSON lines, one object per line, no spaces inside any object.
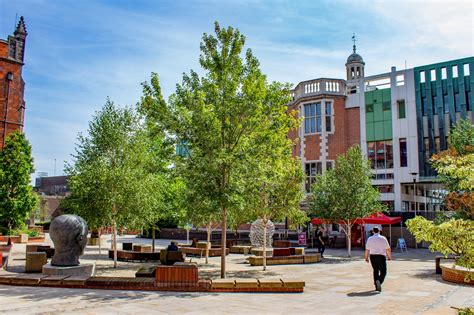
{"x":257,"y":233}
{"x":69,"y":235}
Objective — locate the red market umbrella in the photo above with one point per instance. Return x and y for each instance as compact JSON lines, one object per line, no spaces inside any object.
{"x":382,"y":219}
{"x":379,"y":218}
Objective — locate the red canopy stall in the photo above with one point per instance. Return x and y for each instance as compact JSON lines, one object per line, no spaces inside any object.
{"x":376,"y":218}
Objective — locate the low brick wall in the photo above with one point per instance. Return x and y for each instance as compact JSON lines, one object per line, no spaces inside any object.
{"x":457,"y":275}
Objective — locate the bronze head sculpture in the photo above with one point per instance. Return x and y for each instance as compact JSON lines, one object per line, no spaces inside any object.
{"x":69,"y":235}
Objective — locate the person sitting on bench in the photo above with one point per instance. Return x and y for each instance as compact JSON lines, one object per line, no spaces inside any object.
{"x":173,"y":247}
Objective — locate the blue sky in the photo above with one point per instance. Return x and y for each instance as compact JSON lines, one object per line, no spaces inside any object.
{"x":79,"y":52}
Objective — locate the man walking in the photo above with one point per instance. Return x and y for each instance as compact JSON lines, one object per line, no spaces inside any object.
{"x":321,"y":245}
{"x":379,"y":251}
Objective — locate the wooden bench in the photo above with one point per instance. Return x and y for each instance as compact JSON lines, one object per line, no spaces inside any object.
{"x":241,"y":249}
{"x":127,"y":255}
{"x":193,"y":251}
{"x":285,"y":260}
{"x":142,"y":248}
{"x":171,"y":257}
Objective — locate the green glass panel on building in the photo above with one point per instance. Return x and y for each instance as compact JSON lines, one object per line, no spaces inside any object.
{"x":378,"y":112}
{"x":378,"y":115}
{"x":370,"y":132}
{"x":387,"y":97}
{"x":369,"y":117}
{"x":378,"y":96}
{"x":451,"y":92}
{"x":387,"y":115}
{"x":387,"y":130}
{"x":378,"y":130}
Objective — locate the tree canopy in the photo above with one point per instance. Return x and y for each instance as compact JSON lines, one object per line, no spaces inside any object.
{"x":455,"y":168}
{"x":222,"y":118}
{"x":17,"y":198}
{"x":345,"y":193}
{"x":117,"y":179}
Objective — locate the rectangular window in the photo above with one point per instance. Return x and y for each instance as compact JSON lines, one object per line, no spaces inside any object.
{"x":443,"y":73}
{"x":386,"y":106}
{"x":466,"y":69}
{"x":388,"y":154}
{"x":405,"y":206}
{"x":457,"y":102}
{"x":371,"y":154}
{"x":311,"y":170}
{"x":434,"y":105}
{"x":312,"y":118}
{"x":380,"y":154}
{"x":422,"y":77}
{"x":401,"y":109}
{"x":455,"y":71}
{"x":328,"y":117}
{"x":329,"y":165}
{"x":426,"y":148}
{"x":384,"y":176}
{"x":433,"y":74}
{"x":384,"y":189}
{"x":437,"y":144}
{"x":403,"y":152}
{"x":446,"y":103}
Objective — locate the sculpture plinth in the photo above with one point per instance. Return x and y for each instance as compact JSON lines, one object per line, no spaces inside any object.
{"x":86,"y":270}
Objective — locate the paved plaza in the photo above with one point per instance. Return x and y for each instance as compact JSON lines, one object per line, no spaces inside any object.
{"x":337,"y":285}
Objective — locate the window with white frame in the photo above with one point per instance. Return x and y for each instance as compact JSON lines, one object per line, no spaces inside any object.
{"x":328,"y":112}
{"x":312,"y":170}
{"x":312,"y":118}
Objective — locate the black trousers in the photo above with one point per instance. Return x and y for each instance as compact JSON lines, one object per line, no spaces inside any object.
{"x":379,"y":264}
{"x":321,"y":248}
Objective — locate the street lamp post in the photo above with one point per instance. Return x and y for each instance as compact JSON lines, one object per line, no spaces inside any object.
{"x":414,"y":189}
{"x":414,"y":195}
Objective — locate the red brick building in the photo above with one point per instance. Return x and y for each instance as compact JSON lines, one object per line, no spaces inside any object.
{"x":329,"y":127}
{"x":12,"y":86}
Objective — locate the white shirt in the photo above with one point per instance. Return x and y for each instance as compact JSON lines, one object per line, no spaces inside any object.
{"x":377,"y":245}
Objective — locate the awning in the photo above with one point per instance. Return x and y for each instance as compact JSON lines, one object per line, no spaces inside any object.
{"x":377,"y":218}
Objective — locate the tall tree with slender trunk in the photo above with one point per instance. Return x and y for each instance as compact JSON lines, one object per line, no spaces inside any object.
{"x":115,"y":179}
{"x":345,"y":193}
{"x":218,"y":117}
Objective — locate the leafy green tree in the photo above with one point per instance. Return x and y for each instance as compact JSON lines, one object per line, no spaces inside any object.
{"x":115,"y":179}
{"x":275,"y":191}
{"x":345,"y":193}
{"x":455,"y":168}
{"x":17,"y":199}
{"x":450,"y":237}
{"x":218,"y":116}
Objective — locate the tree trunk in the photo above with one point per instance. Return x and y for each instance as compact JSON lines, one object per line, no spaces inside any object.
{"x":115,"y":244}
{"x":264,"y":244}
{"x":153,"y":239}
{"x":100,"y":246}
{"x":348,"y":237}
{"x":223,"y":241}
{"x":208,"y":244}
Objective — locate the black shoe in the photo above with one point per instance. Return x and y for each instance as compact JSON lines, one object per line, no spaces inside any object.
{"x":378,"y":286}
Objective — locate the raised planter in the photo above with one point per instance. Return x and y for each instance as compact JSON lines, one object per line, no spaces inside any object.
{"x":457,"y":274}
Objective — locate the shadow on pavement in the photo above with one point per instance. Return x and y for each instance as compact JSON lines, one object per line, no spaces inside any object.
{"x":364,"y":293}
{"x":45,"y":294}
